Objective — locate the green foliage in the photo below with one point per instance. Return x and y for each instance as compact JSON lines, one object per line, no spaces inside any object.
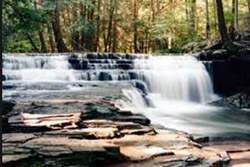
{"x":161,"y":26}
{"x":18,"y":46}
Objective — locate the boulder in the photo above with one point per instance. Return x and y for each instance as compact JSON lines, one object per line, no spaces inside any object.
{"x":239,"y":100}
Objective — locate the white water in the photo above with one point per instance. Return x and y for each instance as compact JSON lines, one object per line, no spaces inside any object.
{"x":178,"y":78}
{"x":179,"y":88}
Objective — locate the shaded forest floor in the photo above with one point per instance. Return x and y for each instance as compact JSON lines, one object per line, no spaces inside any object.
{"x":215,"y":50}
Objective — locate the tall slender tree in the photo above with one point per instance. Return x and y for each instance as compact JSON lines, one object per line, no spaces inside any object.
{"x":55,"y":19}
{"x":135,"y":19}
{"x":222,"y":27}
{"x":248,"y":2}
{"x":208,"y":31}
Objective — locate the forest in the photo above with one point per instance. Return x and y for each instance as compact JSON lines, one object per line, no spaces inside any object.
{"x":135,"y":26}
{"x":126,"y":83}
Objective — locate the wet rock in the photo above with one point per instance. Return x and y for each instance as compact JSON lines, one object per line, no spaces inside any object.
{"x":133,"y":75}
{"x":200,"y":138}
{"x":4,"y":78}
{"x":134,"y":118}
{"x":92,"y":56}
{"x":192,"y":161}
{"x":5,"y":124}
{"x":125,"y":66}
{"x":75,"y":63}
{"x":113,"y":56}
{"x":129,"y":56}
{"x":205,"y":55}
{"x":142,"y":86}
{"x":84,"y":64}
{"x":125,"y":112}
{"x":95,"y":61}
{"x":239,"y":100}
{"x":104,"y":76}
{"x":124,"y":62}
{"x":7,"y":107}
{"x":221,"y":54}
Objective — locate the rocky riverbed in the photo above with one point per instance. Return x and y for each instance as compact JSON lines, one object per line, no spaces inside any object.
{"x":95,"y":129}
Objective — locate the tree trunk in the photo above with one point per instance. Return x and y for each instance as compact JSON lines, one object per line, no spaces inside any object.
{"x":135,"y":26}
{"x":83,"y":11}
{"x":215,"y":16}
{"x":109,"y":35}
{"x":208,"y":31}
{"x":98,"y":26}
{"x":40,"y":34}
{"x":236,"y":17}
{"x":192,"y":17}
{"x":222,"y":27}
{"x":233,"y":13}
{"x":114,"y":46}
{"x":31,"y":41}
{"x":152,"y":41}
{"x":61,"y":47}
{"x":90,"y":36}
{"x":187,"y":15}
{"x":43,"y":45}
{"x":51,"y":41}
{"x":75,"y":34}
{"x":248,"y":1}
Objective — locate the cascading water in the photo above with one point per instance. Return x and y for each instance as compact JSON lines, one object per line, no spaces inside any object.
{"x":178,"y":78}
{"x":171,"y":90}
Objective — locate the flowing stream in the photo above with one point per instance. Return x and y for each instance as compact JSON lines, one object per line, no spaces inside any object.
{"x":173,"y":91}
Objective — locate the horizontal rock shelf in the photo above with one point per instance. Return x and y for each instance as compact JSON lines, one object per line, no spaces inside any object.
{"x":53,"y":121}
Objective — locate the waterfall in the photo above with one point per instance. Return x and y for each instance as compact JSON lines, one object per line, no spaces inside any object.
{"x":172,"y":91}
{"x":178,"y":78}
{"x":171,"y":78}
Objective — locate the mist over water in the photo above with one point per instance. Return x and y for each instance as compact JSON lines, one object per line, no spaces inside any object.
{"x":173,"y":91}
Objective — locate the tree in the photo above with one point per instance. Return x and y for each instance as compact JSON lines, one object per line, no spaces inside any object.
{"x":208,"y":33}
{"x":223,"y":29}
{"x":192,"y":18}
{"x":248,"y":2}
{"x":135,"y":19}
{"x":55,"y":20}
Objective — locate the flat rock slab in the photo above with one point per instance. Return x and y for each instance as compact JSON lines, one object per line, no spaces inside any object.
{"x":14,"y":158}
{"x":140,"y":153}
{"x":240,"y":159}
{"x":62,"y":141}
{"x":17,"y":137}
{"x":53,"y":121}
{"x":125,"y":128}
{"x":88,"y":133}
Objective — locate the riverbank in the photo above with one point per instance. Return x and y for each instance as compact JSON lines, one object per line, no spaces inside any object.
{"x":99,"y":131}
